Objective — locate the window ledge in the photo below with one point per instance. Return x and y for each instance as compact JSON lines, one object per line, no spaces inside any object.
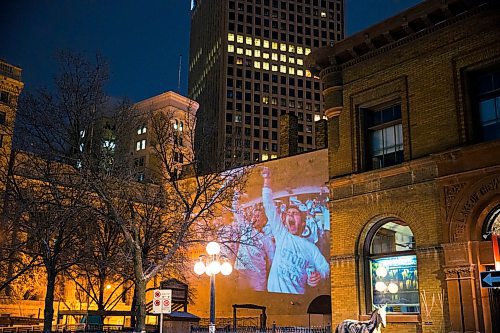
{"x":397,"y":318}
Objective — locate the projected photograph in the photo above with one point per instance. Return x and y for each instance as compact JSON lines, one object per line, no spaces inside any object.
{"x":278,"y":238}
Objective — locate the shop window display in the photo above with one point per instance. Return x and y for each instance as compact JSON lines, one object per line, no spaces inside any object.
{"x":392,"y":267}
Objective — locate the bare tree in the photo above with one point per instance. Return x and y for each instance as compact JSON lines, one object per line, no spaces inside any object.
{"x":84,"y":143}
{"x":101,"y":273}
{"x":45,"y":187}
{"x":51,"y":213}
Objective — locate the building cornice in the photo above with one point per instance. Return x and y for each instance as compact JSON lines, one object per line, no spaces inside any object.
{"x":418,"y":21}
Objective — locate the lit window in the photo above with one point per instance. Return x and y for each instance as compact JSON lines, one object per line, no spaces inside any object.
{"x":140,"y":145}
{"x":300,"y":61}
{"x":274,"y":68}
{"x":239,"y":50}
{"x":109,"y":144}
{"x":265,"y":100}
{"x":384,"y":137}
{"x":248,"y":53}
{"x":283,"y":57}
{"x":248,"y":40}
{"x":300,"y":72}
{"x":239,"y":39}
{"x":291,"y":60}
{"x":291,"y":70}
{"x":239,"y":61}
{"x":283,"y":69}
{"x":256,"y":53}
{"x":265,"y":65}
{"x":487,"y":93}
{"x":323,"y":13}
{"x":230,"y":37}
{"x":230,"y":48}
{"x":392,"y":267}
{"x":308,"y":50}
{"x":291,"y":48}
{"x":274,"y":46}
{"x":265,"y":55}
{"x":265,"y":157}
{"x":308,"y":73}
{"x":141,"y":129}
{"x":256,"y":64}
{"x":283,"y":47}
{"x":257,"y":42}
{"x":266,"y":44}
{"x":274,"y":101}
{"x":273,"y":156}
{"x":300,"y":50}
{"x":274,"y":56}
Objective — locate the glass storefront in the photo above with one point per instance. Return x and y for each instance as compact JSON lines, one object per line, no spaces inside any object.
{"x":395,"y":283}
{"x":393,"y":269}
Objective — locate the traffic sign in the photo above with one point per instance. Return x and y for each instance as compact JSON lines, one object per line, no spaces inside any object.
{"x":162,"y":301}
{"x":490,"y":279}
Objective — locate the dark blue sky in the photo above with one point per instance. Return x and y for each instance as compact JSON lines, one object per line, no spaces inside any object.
{"x":141,"y":40}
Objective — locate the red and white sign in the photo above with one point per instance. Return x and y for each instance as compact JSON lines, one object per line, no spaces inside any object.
{"x":162,"y":301}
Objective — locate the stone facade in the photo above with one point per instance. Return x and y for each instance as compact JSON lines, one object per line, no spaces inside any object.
{"x":10,"y":88}
{"x":425,"y":60}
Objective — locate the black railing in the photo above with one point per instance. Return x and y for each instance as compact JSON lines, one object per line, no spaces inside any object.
{"x":273,"y":329}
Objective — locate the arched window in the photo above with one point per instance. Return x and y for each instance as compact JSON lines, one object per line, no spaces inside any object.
{"x":492,"y":223}
{"x":391,"y":268}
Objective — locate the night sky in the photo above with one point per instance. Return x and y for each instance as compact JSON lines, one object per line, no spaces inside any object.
{"x":141,"y":40}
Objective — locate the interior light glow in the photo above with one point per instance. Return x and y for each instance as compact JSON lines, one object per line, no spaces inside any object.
{"x":380,"y":286}
{"x":393,"y":288}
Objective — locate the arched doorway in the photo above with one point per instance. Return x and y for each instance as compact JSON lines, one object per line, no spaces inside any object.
{"x":321,"y":305}
{"x":491,"y":226}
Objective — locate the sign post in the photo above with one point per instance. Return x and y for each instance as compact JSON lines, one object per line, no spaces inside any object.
{"x":162,"y":303}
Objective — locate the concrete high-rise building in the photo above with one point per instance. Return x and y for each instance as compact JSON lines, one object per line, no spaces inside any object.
{"x":247,"y":71}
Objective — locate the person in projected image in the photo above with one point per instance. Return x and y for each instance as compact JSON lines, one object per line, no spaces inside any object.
{"x":255,"y":249}
{"x":297,"y":261}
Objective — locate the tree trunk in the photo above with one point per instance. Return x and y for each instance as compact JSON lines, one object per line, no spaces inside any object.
{"x":133,"y":307}
{"x":48,"y":311}
{"x":140,"y":292}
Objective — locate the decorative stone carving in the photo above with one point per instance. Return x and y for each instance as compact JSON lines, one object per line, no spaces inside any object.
{"x":470,"y":197}
{"x":450,"y":193}
{"x":460,"y":272}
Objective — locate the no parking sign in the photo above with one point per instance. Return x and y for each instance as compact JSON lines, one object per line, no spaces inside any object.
{"x":162,"y":301}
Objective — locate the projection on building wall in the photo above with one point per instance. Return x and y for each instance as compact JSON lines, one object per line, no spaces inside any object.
{"x":277,"y":236}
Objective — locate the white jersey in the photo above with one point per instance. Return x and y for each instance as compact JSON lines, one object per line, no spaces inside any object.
{"x":295,"y":256}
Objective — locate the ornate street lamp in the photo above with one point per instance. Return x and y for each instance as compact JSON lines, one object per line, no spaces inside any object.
{"x":212,"y":264}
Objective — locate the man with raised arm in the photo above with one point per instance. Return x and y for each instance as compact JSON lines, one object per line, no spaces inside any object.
{"x":297,"y":262}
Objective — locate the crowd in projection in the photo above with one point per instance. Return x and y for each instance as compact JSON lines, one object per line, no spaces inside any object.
{"x":278,"y":242}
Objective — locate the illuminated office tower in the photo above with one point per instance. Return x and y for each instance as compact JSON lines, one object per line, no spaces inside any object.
{"x":247,"y":73}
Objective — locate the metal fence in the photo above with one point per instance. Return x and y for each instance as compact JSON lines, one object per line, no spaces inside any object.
{"x":273,"y":329}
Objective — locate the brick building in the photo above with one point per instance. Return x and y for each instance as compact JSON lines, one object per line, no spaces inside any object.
{"x":413,"y":107}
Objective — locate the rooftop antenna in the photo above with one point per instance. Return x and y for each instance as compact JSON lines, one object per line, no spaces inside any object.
{"x":179,"y":81}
